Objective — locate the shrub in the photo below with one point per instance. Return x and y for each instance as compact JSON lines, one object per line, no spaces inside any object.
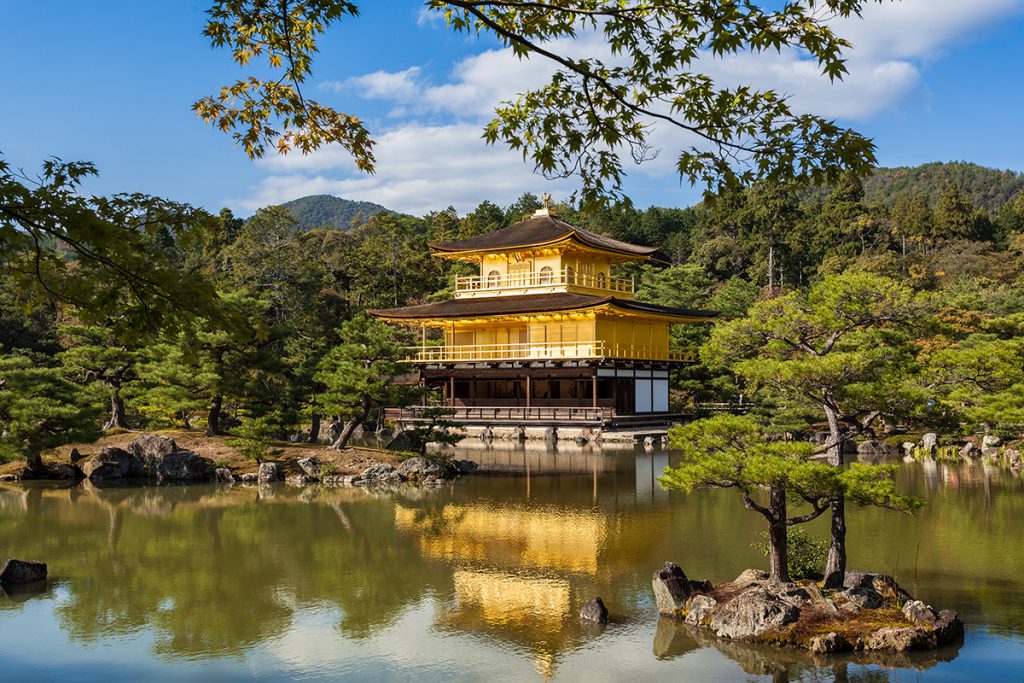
{"x":807,"y":554}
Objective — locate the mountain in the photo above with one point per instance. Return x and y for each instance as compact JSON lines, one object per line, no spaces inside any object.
{"x":988,"y":188}
{"x":324,"y":210}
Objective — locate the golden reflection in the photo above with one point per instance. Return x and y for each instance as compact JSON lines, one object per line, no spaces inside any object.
{"x":506,"y":598}
{"x":568,"y":540}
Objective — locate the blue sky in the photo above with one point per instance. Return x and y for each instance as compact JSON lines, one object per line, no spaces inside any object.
{"x":112,"y":82}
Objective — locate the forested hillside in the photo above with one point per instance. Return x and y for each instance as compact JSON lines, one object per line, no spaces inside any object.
{"x":328,"y":211}
{"x":987,"y":188}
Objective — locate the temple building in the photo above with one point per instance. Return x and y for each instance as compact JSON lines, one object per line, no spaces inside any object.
{"x":544,"y":334}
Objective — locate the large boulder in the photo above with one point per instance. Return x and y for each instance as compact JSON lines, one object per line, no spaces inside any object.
{"x":919,"y":613}
{"x":111,"y":463}
{"x":991,"y":441}
{"x":465,"y":466}
{"x":310,"y":467}
{"x":967,"y":451}
{"x":929,"y":441}
{"x":671,"y":589}
{"x":15,"y":572}
{"x":421,"y":468}
{"x":223,"y":475}
{"x":864,"y":598}
{"x":875,"y":449}
{"x":900,"y":639}
{"x":1013,"y":458}
{"x":882,"y":584}
{"x":151,"y":449}
{"x":753,"y":612}
{"x":184,"y":466}
{"x":594,"y":611}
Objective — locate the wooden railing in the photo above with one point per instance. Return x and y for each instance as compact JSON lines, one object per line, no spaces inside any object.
{"x":549,"y":351}
{"x":511,"y":414}
{"x":541,"y":278}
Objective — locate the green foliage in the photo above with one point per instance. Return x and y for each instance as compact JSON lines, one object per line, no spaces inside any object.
{"x":253,"y":438}
{"x":806,"y":554}
{"x":39,"y":409}
{"x":591,"y":112}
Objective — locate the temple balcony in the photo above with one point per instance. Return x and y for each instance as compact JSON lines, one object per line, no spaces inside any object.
{"x":541,"y":282}
{"x":582,"y":350}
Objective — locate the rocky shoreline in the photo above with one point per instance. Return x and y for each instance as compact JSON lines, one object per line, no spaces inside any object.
{"x":870,"y":613}
{"x":157,"y":459}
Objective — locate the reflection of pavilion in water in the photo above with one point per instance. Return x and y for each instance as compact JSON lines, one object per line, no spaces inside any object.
{"x":522,"y":570}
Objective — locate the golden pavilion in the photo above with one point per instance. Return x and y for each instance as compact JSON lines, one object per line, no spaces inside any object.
{"x":545,"y":335}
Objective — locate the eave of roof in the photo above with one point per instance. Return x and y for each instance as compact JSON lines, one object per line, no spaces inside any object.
{"x":540,"y":231}
{"x":530,"y":303}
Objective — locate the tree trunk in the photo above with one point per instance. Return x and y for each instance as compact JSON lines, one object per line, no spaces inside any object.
{"x":346,"y":432}
{"x":778,"y":542}
{"x":118,"y":420}
{"x":835,"y":566}
{"x":314,"y":428}
{"x":213,"y":418}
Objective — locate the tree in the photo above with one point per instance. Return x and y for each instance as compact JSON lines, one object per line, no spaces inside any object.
{"x":844,"y":351}
{"x":98,"y":354}
{"x":359,"y":374}
{"x":436,"y":427}
{"x":595,"y":107}
{"x":729,"y":451}
{"x":39,"y":409}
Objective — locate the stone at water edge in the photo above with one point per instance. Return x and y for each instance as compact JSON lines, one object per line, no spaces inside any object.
{"x":948,"y":627}
{"x":900,"y":639}
{"x":700,"y":610}
{"x":111,"y":463}
{"x":865,"y":598}
{"x":830,"y":643}
{"x":267,"y":473}
{"x":594,"y":611}
{"x":671,"y":589}
{"x":223,"y":475}
{"x":419,"y":467}
{"x":184,"y":466}
{"x":929,"y":441}
{"x":309,"y":466}
{"x":151,"y":449}
{"x":22,"y":571}
{"x":917,"y":612}
{"x":752,"y":613}
{"x":967,"y":451}
{"x":991,"y":441}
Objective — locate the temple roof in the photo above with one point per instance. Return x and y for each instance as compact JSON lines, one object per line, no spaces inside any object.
{"x":537,"y":230}
{"x":529,"y":303}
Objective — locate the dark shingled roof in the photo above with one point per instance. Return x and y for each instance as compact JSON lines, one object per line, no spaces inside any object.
{"x":528,"y":303}
{"x":541,"y":230}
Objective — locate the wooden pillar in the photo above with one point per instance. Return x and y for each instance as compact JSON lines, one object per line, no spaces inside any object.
{"x":451,"y":390}
{"x":529,"y":390}
{"x":593,"y":388}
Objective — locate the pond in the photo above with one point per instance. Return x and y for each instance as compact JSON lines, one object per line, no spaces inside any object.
{"x":480,"y":579}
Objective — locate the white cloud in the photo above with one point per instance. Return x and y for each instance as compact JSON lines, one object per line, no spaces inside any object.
{"x":422,"y":167}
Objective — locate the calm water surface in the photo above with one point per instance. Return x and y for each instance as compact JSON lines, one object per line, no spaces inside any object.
{"x":479,"y":580}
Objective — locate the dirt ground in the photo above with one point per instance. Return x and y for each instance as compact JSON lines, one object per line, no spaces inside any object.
{"x":348,"y":461}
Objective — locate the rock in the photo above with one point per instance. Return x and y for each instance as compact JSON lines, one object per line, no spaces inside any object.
{"x":519,"y":434}
{"x":223,"y":475}
{"x":967,"y":450}
{"x":1013,"y":457}
{"x":991,"y":441}
{"x":582,"y":441}
{"x":882,"y":584}
{"x":909,"y":447}
{"x":339,"y":479}
{"x":21,"y":571}
{"x":111,"y":463}
{"x":873,"y":448}
{"x":465,"y":466}
{"x":380,"y":473}
{"x":65,"y":471}
{"x":75,"y":456}
{"x":749,"y":576}
{"x":929,"y":441}
{"x":919,"y":613}
{"x":700,"y":609}
{"x":828,"y":644}
{"x":268,"y":472}
{"x":151,"y":449}
{"x":402,"y":441}
{"x":948,"y":628}
{"x":183,"y":466}
{"x":249,"y":478}
{"x":309,"y":466}
{"x":551,"y":434}
{"x":671,"y":589}
{"x":594,"y":611}
{"x":487,"y":434}
{"x":650,"y":442}
{"x":752,"y":613}
{"x":420,"y":468}
{"x":900,"y":639}
{"x":300,"y":479}
{"x":990,"y":452}
{"x":865,"y":598}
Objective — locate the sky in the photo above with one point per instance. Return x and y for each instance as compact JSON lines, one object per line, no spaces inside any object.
{"x":112,"y":82}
